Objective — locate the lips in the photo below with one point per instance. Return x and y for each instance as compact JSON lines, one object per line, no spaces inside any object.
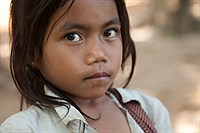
{"x":98,"y":75}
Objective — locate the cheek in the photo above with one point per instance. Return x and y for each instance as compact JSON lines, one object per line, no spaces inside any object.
{"x":52,"y":63}
{"x":117,"y":56}
{"x":119,"y":53}
{"x":58,"y":71}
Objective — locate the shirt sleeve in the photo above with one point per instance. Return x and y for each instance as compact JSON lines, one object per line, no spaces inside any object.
{"x":161,"y":118}
{"x":16,"y":124}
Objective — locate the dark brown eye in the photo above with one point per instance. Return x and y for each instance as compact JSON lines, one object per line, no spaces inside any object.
{"x":73,"y":37}
{"x":111,"y":33}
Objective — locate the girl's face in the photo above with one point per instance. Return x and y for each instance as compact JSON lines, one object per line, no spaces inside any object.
{"x":83,"y":52}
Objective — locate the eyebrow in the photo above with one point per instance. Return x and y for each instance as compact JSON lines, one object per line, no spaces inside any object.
{"x":112,"y":22}
{"x":74,"y":25}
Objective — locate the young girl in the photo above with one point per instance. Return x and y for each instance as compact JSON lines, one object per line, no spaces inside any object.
{"x":64,"y":58}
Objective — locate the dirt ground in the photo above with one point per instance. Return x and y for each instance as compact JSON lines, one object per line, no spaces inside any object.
{"x":167,"y":67}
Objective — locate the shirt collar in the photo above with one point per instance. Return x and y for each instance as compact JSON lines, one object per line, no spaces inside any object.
{"x":63,"y":112}
{"x":73,"y":114}
{"x":126,"y":96}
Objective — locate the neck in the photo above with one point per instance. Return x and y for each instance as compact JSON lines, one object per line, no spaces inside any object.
{"x":92,"y":108}
{"x":89,"y":103}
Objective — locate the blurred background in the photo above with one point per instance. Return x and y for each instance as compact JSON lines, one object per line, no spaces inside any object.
{"x":167,"y":39}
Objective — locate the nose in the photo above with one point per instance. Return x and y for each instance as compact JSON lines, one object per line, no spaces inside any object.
{"x":96,"y":51}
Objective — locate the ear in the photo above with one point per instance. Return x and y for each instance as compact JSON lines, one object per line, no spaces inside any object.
{"x":34,"y":60}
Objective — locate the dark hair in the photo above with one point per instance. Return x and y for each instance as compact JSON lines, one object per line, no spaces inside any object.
{"x":29,"y":20}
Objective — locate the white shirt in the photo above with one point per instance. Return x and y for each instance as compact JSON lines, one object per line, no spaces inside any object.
{"x":59,"y":120}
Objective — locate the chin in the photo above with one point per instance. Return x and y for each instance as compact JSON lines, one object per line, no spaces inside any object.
{"x":97,"y":93}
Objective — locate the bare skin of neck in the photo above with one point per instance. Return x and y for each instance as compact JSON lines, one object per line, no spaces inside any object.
{"x":111,"y":118}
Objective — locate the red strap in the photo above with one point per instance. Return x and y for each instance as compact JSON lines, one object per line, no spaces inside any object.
{"x":135,"y":110}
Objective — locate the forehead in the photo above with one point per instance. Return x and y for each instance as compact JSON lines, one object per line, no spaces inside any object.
{"x":93,"y":8}
{"x":86,"y":11}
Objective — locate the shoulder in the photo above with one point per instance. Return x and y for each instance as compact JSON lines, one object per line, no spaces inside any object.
{"x":21,"y":121}
{"x":151,"y":105}
{"x":31,"y":120}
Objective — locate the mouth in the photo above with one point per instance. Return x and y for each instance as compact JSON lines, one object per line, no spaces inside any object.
{"x":98,"y":75}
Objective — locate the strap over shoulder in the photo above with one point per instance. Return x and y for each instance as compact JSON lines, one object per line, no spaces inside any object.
{"x":135,"y":110}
